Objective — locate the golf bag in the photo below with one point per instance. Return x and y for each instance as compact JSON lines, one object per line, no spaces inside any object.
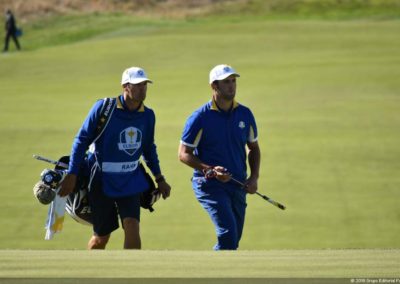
{"x":78,"y":206}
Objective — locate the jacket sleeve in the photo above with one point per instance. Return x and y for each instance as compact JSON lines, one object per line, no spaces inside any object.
{"x":150,"y":149}
{"x":84,"y":137}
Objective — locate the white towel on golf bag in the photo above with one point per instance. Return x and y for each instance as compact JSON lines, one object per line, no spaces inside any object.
{"x":55,"y":216}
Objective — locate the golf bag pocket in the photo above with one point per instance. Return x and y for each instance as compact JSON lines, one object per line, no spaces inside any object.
{"x":78,"y":207}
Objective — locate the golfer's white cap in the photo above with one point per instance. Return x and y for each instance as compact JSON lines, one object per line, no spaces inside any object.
{"x":134,"y":75}
{"x":221,"y":72}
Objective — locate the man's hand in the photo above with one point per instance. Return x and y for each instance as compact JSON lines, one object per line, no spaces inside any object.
{"x":251,"y":185}
{"x":164,"y":188}
{"x":222,"y":174}
{"x":67,"y":185}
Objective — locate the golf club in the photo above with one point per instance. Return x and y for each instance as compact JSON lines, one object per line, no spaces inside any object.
{"x":273,"y":202}
{"x":212,"y":173}
{"x":57,"y":163}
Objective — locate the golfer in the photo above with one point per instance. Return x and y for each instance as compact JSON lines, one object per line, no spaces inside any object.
{"x":215,"y":137}
{"x":117,"y":179}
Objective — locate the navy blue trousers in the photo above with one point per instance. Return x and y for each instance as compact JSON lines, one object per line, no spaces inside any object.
{"x":226,"y":206}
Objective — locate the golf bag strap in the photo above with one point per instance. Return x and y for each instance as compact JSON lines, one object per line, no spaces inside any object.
{"x":106,"y":112}
{"x":105,"y":115}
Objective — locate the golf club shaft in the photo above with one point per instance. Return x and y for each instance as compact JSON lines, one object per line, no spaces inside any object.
{"x":57,"y":163}
{"x":273,"y":202}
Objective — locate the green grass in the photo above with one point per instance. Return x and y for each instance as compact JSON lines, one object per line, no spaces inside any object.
{"x":315,"y":9}
{"x":190,"y":264}
{"x":325,"y":95}
{"x":78,"y":24}
{"x":64,"y":29}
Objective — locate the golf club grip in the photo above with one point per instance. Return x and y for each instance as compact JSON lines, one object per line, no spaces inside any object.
{"x":277,"y":204}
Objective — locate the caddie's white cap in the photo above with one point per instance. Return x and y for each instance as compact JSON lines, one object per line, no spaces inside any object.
{"x":134,"y":75}
{"x":221,"y":72}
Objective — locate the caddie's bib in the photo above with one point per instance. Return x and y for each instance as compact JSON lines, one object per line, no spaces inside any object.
{"x":119,"y":149}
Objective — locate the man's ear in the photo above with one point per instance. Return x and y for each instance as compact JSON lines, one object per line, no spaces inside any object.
{"x":125,"y":86}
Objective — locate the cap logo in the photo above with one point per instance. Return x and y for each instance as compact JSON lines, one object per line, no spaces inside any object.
{"x":140,"y":73}
{"x":227,"y":69}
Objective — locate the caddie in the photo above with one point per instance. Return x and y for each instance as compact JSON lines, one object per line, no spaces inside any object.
{"x":215,"y":137}
{"x":116,"y":181}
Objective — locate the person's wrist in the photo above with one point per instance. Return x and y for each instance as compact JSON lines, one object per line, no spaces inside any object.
{"x":160,"y":179}
{"x":254,"y":176}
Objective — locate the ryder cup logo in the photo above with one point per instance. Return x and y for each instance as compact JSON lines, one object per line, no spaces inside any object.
{"x":130,"y":140}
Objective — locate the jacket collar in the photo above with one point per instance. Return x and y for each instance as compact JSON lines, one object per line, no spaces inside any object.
{"x":215,"y":107}
{"x":121,"y":104}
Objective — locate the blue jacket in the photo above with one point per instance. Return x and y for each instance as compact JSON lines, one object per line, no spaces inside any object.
{"x":128,"y":136}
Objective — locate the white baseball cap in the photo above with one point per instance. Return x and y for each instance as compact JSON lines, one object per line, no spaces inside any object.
{"x":221,"y":72}
{"x":134,"y":75}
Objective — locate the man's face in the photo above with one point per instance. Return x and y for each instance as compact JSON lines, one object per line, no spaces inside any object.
{"x":136,"y":92}
{"x":226,"y":88}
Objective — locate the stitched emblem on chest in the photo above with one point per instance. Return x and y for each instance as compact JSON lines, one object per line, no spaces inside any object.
{"x":130,"y":140}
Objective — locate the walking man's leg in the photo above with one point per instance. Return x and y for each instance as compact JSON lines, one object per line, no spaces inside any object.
{"x":218,"y":205}
{"x":97,"y":242}
{"x":14,"y":37}
{"x":132,"y":233}
{"x":129,"y":211}
{"x":6,"y":41}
